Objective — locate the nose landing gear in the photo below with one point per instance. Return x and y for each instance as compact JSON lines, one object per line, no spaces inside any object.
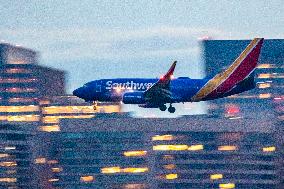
{"x":95,"y":104}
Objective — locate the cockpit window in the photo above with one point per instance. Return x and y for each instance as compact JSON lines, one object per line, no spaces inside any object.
{"x":89,"y":83}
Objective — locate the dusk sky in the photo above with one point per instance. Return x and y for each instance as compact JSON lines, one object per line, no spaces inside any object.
{"x":106,"y":39}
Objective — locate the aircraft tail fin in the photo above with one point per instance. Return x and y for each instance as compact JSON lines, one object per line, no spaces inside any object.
{"x":239,"y":70}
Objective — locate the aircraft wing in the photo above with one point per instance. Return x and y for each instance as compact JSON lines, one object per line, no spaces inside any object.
{"x":160,"y":91}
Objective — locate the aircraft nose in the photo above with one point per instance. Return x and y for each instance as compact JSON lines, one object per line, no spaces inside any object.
{"x":78,"y":92}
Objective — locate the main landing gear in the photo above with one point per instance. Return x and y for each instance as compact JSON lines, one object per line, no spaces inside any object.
{"x":163,"y":107}
{"x":171,"y":109}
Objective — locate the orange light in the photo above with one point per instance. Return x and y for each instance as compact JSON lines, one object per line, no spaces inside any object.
{"x":171,"y":176}
{"x":162,"y":137}
{"x":40,"y":160}
{"x":227,"y":148}
{"x":86,"y":178}
{"x":264,"y":85}
{"x":8,"y":179}
{"x":118,"y":90}
{"x":8,"y":164}
{"x":265,"y":95}
{"x":56,"y":169}
{"x":50,"y":128}
{"x":227,"y":185}
{"x":170,"y":147}
{"x":169,"y":166}
{"x":24,"y":118}
{"x":110,"y":170}
{"x":269,"y":149}
{"x":266,"y":66}
{"x":264,"y":76}
{"x":30,"y":108}
{"x":216,"y":176}
{"x":195,"y":147}
{"x":135,"y":170}
{"x":135,"y":153}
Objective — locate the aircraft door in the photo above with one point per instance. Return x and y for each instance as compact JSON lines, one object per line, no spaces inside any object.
{"x":99,"y":86}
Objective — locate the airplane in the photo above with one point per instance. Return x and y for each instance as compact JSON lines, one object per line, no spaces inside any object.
{"x":156,"y":93}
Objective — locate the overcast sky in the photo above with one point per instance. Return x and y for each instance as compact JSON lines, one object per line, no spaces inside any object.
{"x":104,"y":39}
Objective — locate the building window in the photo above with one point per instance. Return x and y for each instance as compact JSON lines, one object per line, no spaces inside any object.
{"x":171,"y":176}
{"x":17,"y":90}
{"x":24,"y":118}
{"x":227,"y":148}
{"x":22,"y":100}
{"x":18,"y":70}
{"x":86,"y":178}
{"x":50,"y":128}
{"x":162,"y":137}
{"x":135,"y":153}
{"x":30,"y":108}
{"x":17,"y":80}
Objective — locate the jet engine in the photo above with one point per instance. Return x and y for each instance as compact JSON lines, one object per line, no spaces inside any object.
{"x":133,"y":98}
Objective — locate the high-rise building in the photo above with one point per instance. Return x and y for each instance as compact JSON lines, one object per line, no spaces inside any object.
{"x":24,"y":84}
{"x":32,"y":99}
{"x":20,"y":162}
{"x":266,"y":100}
{"x":187,"y":152}
{"x":23,"y":81}
{"x":33,"y":93}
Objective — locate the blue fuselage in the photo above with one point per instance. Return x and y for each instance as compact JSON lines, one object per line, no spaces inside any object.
{"x":182,"y":89}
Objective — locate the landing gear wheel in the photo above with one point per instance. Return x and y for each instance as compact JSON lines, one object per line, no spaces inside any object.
{"x":172,"y":109}
{"x":163,"y":107}
{"x":95,"y":103}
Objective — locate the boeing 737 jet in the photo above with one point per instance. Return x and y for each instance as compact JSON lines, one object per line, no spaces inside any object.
{"x":156,"y":93}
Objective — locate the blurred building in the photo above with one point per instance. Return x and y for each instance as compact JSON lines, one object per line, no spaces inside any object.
{"x":269,"y":76}
{"x":266,"y":100}
{"x":21,"y":165}
{"x":70,"y":107}
{"x":279,"y":108}
{"x":187,"y":152}
{"x":32,"y":99}
{"x":24,"y":81}
{"x":24,"y":84}
{"x":33,"y":93}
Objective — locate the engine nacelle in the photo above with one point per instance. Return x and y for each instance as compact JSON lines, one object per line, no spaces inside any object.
{"x":133,"y":98}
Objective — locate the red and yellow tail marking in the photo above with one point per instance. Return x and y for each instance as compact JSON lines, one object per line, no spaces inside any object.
{"x":239,"y":70}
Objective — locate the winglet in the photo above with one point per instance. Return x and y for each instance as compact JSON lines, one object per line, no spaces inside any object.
{"x":168,"y":75}
{"x":160,"y":90}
